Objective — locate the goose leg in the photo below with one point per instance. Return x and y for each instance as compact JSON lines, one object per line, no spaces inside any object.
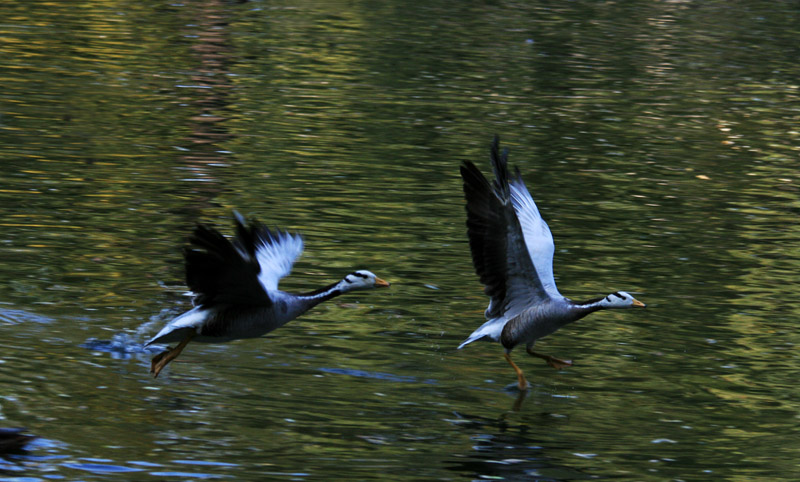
{"x":521,"y":382}
{"x":554,"y":362}
{"x":160,"y":361}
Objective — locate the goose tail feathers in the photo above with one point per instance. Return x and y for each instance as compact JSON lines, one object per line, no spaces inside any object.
{"x":491,"y":329}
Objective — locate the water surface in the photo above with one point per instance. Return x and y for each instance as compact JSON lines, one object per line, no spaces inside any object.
{"x":659,"y":139}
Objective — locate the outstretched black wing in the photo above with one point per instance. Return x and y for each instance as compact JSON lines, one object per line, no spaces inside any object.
{"x":219,"y":273}
{"x":497,"y":242}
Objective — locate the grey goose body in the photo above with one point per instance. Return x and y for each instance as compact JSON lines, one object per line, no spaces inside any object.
{"x":235,"y":286}
{"x":512,"y":251}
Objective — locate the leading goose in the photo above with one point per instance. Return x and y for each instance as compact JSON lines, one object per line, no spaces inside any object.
{"x":512,"y":250}
{"x":236,"y":287}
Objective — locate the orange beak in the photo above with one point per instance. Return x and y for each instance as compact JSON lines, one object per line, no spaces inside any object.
{"x":639,"y":304}
{"x":379,"y":283}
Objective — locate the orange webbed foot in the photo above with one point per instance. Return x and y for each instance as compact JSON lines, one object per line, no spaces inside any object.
{"x":558,"y":363}
{"x":554,"y":362}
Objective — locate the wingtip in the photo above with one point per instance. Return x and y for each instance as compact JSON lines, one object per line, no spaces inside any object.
{"x":494,"y":149}
{"x":469,"y":170}
{"x":500,"y":167}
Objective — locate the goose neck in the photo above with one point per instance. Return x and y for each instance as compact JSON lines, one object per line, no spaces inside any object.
{"x":584,"y":308}
{"x":322,"y":294}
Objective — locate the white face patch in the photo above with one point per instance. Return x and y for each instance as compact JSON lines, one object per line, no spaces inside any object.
{"x":618,"y":299}
{"x":359,"y":279}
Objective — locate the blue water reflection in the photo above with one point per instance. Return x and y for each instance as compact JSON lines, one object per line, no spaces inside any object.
{"x":100,"y":468}
{"x":22,"y":316}
{"x":378,"y":375}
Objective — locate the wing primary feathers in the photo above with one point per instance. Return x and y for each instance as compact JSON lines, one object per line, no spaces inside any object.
{"x":245,"y":239}
{"x":219,"y":271}
{"x":497,"y":240}
{"x":486,"y":231}
{"x":273,"y":252}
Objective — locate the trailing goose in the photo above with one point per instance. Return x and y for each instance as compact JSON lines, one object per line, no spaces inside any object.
{"x":13,"y":440}
{"x":235,"y":284}
{"x":512,"y":250}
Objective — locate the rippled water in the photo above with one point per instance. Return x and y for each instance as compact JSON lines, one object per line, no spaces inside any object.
{"x":659,"y":139}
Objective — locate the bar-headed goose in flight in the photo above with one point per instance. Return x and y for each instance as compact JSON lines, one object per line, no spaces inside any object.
{"x":235,"y":284}
{"x":512,"y":250}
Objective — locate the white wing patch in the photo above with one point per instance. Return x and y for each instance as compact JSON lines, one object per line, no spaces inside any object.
{"x":538,"y":237}
{"x":276,"y":254}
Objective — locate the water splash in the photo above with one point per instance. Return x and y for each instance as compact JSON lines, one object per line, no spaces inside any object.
{"x":123,"y":345}
{"x":158,"y":319}
{"x":120,"y":346}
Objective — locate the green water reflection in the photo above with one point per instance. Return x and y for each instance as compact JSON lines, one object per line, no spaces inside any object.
{"x":659,"y":139}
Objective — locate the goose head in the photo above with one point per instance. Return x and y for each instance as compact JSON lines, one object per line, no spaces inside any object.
{"x":361,"y":280}
{"x":620,"y":299}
